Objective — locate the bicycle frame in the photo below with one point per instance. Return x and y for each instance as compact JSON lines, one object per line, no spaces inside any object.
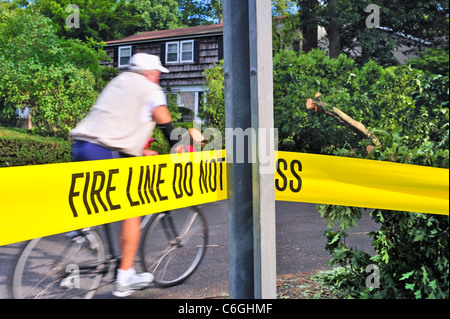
{"x":112,"y":255}
{"x":108,"y":234}
{"x":93,"y":268}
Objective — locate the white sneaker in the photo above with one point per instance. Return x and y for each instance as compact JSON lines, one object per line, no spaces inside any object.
{"x":124,"y":288}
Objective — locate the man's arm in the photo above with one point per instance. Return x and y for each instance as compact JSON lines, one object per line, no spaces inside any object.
{"x":161,"y":115}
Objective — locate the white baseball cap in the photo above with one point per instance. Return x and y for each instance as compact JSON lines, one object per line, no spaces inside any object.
{"x":146,"y":62}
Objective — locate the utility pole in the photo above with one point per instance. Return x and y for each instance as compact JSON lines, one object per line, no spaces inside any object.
{"x":249,"y":105}
{"x":261,"y":92}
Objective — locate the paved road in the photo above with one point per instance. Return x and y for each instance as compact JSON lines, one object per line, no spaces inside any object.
{"x":300,"y":248}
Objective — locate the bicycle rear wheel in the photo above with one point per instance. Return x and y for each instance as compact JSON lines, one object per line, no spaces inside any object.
{"x":60,"y":266}
{"x":173,"y":245}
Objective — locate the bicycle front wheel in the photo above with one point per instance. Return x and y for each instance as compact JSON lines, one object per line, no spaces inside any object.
{"x":174,"y":244}
{"x":59,"y":266}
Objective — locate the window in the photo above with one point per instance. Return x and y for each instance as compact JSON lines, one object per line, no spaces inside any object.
{"x":178,"y":52}
{"x":172,"y":52}
{"x":190,"y":100}
{"x":124,"y":56}
{"x":187,"y":51}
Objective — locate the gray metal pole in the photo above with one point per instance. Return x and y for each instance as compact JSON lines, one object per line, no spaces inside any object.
{"x":261,"y":91}
{"x":239,"y":175}
{"x":248,"y":109}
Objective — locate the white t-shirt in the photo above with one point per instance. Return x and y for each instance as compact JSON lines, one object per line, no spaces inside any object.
{"x":157,"y":99}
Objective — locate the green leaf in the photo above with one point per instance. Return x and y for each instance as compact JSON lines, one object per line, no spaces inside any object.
{"x":410,"y":286}
{"x":407,"y":275}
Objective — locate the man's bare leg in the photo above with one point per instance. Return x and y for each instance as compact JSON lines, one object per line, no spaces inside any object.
{"x":130,"y":236}
{"x":127,"y":278}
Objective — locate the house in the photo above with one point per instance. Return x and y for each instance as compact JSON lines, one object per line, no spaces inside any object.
{"x":408,"y":47}
{"x":186,"y":52}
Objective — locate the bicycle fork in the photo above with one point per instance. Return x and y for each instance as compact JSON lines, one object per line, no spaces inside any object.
{"x":170,"y":230}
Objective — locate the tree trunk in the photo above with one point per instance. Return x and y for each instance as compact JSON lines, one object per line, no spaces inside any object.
{"x":334,"y":36}
{"x":309,"y":20}
{"x":309,"y":38}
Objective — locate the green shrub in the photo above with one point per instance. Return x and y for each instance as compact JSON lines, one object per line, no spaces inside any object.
{"x":407,"y":109}
{"x":403,"y":101}
{"x":21,"y":147}
{"x":213,"y":111}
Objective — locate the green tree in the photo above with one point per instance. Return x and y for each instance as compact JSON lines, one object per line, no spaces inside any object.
{"x":309,"y":14}
{"x":199,"y":12}
{"x":425,"y":20}
{"x":286,"y":26}
{"x":213,"y":113}
{"x":100,"y":20}
{"x":347,"y":31}
{"x":281,"y":8}
{"x":55,"y":78}
{"x":156,"y":14}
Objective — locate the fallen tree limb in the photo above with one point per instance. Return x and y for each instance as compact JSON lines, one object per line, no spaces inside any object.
{"x":320,"y":107}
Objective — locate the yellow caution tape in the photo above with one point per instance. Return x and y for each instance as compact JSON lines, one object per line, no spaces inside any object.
{"x":42,"y":200}
{"x":361,"y":183}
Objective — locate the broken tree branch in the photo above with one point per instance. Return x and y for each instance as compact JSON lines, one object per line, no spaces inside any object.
{"x":318,"y":106}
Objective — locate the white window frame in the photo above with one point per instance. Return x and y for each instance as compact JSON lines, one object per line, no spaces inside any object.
{"x":181,"y":51}
{"x":197,"y":89}
{"x":167,"y":52}
{"x":120,"y":55}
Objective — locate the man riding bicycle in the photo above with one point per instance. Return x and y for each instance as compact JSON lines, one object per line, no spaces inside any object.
{"x":119,"y":125}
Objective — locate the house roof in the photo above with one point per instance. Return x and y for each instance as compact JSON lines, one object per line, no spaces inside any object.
{"x":170,"y":34}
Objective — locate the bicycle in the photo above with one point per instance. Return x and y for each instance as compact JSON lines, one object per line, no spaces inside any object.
{"x":72,"y":265}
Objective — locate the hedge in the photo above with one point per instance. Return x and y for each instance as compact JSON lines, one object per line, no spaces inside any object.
{"x":20,"y":147}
